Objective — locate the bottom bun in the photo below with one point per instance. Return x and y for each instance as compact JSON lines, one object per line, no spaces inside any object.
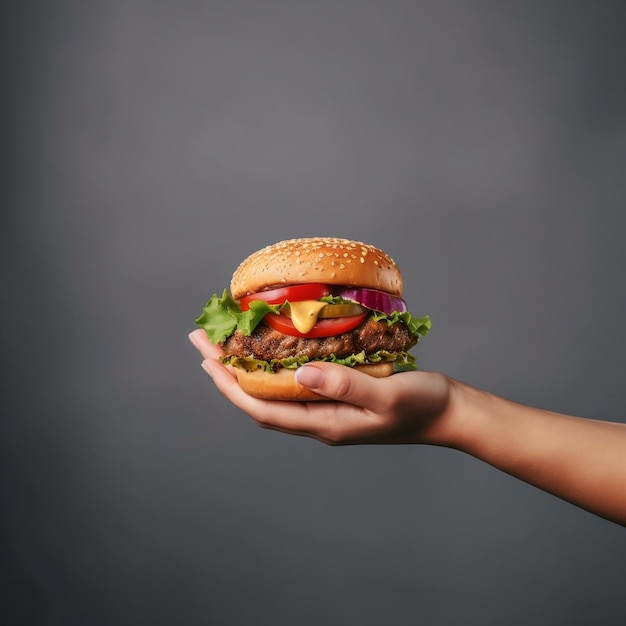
{"x":283,"y":385}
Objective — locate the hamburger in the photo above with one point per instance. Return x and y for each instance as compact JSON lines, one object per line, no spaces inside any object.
{"x":312,"y":299}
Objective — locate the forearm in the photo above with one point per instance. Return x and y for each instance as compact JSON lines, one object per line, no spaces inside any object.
{"x":580,"y":460}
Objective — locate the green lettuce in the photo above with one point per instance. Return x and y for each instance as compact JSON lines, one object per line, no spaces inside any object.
{"x":221,"y":316}
{"x":402,"y":361}
{"x":418,"y":326}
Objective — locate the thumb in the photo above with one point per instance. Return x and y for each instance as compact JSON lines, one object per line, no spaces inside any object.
{"x":339,"y":382}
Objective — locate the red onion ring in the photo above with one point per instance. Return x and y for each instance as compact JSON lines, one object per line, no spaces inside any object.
{"x":374,"y":299}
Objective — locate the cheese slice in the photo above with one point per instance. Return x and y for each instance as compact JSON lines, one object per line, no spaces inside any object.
{"x":304,"y":314}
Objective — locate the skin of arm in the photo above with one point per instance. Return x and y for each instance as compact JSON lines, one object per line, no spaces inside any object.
{"x":577,"y":459}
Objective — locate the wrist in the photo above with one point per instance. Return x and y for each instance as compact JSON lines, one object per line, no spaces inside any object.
{"x":458,"y":425}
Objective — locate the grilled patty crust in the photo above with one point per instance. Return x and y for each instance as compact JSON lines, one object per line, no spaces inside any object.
{"x":266,"y":344}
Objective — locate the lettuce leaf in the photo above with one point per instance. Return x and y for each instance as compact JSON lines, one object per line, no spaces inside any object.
{"x":221,"y":316}
{"x":403,"y":361}
{"x":418,"y":326}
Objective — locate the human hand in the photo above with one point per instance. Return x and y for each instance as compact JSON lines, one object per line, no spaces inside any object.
{"x":410,"y":407}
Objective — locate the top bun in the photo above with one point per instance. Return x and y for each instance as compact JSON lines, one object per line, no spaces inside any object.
{"x":327,"y":260}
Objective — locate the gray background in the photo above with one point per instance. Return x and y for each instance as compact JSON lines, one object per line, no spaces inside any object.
{"x":147,"y":149}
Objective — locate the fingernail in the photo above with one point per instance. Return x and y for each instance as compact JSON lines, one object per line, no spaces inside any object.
{"x":193,"y":339}
{"x":206,"y":366}
{"x":309,"y":376}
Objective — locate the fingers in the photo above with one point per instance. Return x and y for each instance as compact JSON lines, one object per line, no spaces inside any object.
{"x":227,"y":383}
{"x":201,"y":342}
{"x":328,"y":422}
{"x":318,"y":420}
{"x":342,"y":383}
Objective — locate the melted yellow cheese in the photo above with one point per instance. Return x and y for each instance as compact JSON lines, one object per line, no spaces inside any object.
{"x":304,"y":314}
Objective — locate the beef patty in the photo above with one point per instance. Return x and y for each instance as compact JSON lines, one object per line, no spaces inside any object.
{"x":265,"y":343}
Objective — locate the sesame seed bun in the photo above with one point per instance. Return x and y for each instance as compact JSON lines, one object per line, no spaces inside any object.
{"x":282,"y":385}
{"x":328,"y":260}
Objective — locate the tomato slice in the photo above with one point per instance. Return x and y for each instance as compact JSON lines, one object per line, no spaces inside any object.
{"x":295,"y":293}
{"x":323,"y":328}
